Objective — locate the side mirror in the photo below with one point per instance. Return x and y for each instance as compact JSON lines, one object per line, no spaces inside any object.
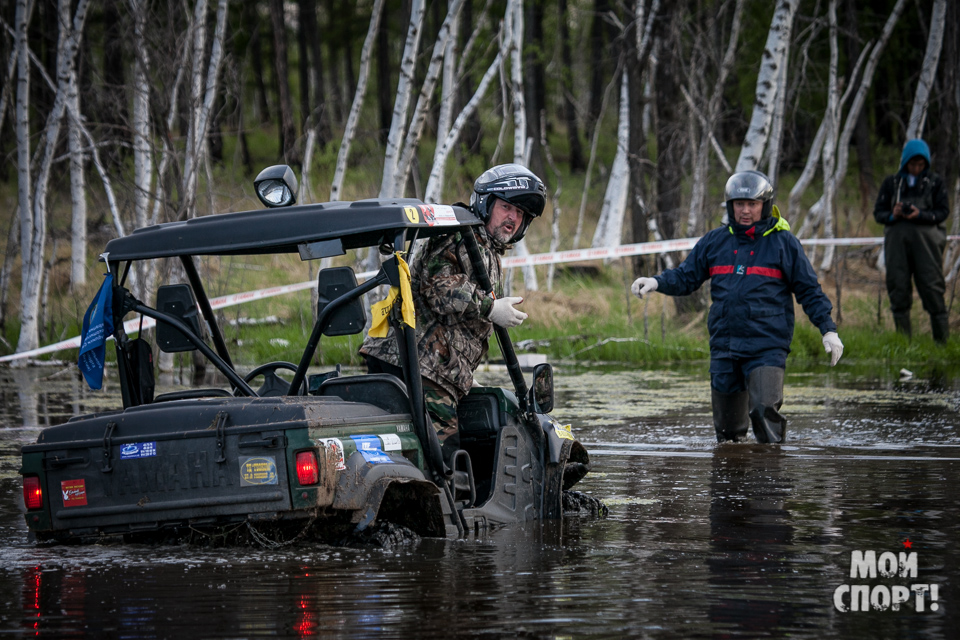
{"x":349,"y":318}
{"x":177,"y":300}
{"x":541,"y":393}
{"x":276,"y":186}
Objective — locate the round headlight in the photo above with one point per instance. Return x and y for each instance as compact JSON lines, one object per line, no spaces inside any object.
{"x":276,"y":186}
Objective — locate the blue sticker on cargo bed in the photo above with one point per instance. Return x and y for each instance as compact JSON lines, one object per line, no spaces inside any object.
{"x":367,"y":443}
{"x":376,"y":457}
{"x":258,"y":470}
{"x":138,"y":450}
{"x":370,"y":448}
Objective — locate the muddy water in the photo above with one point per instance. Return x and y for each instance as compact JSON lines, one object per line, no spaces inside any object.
{"x":702,"y":540}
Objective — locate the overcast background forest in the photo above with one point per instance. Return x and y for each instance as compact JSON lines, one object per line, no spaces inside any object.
{"x":116,"y":114}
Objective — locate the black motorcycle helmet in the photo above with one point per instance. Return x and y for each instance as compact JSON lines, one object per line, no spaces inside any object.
{"x":749,"y":185}
{"x":512,"y":183}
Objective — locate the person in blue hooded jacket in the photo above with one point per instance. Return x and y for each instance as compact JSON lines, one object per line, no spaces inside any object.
{"x":756,"y":267}
{"x":912,"y":205}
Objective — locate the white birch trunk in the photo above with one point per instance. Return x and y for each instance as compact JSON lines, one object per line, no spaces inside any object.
{"x":401,"y":105}
{"x":12,"y":61}
{"x":72,"y":109}
{"x":778,"y":42}
{"x":928,"y":72}
{"x":22,"y":124}
{"x":142,"y":148}
{"x":351,"y":127}
{"x":830,"y":146}
{"x":424,"y":100}
{"x":853,"y":114}
{"x":78,"y":193}
{"x":33,"y":230}
{"x":708,"y":122}
{"x":954,"y":225}
{"x":954,"y":230}
{"x":306,"y":192}
{"x":192,"y":153}
{"x":554,"y":202}
{"x":609,"y":229}
{"x":593,"y":156}
{"x":435,"y":181}
{"x":202,"y":97}
{"x":776,"y":127}
{"x":159,"y":196}
{"x":515,"y":16}
{"x":448,"y":90}
{"x":520,"y":147}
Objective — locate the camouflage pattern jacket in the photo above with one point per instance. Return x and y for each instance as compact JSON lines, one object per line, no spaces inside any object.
{"x":453,"y":323}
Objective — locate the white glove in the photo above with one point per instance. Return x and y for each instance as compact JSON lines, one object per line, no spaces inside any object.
{"x":833,"y":346}
{"x":643,"y":286}
{"x":504,"y":315}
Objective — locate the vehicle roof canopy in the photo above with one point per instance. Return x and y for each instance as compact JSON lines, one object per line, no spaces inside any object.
{"x":363,"y":223}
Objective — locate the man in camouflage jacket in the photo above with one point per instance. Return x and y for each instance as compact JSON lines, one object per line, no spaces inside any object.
{"x":455,"y":316}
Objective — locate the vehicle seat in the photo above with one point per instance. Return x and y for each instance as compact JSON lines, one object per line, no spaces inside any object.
{"x":379,"y":389}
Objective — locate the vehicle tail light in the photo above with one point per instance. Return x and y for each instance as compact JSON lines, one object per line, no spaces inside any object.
{"x":308,"y":469}
{"x":32,"y":493}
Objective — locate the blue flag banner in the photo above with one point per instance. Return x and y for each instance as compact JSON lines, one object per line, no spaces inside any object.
{"x":97,"y":326}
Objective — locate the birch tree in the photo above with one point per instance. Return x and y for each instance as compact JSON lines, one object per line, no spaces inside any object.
{"x":521,"y":147}
{"x":813,"y":217}
{"x":609,"y":229}
{"x":22,"y":115}
{"x":708,"y":120}
{"x":770,"y":80}
{"x":928,"y":71}
{"x":78,"y":192}
{"x":12,"y":67}
{"x":424,"y":100}
{"x":203,"y":92}
{"x":33,"y":210}
{"x":142,"y":147}
{"x":401,"y":105}
{"x":830,"y":147}
{"x":432,"y":193}
{"x":343,"y":154}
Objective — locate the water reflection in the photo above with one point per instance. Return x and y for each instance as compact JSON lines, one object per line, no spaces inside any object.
{"x":751,"y":541}
{"x":702,"y":541}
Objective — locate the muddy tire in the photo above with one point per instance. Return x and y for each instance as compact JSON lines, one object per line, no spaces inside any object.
{"x":384,"y":535}
{"x":580,"y":504}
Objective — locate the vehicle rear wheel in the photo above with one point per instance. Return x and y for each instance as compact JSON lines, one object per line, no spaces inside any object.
{"x":384,"y":535}
{"x":580,"y":504}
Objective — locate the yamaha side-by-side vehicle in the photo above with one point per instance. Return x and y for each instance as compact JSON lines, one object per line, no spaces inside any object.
{"x":324,"y":455}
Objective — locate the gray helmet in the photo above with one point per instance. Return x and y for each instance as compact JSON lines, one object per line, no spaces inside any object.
{"x":512,"y":183}
{"x":749,"y":185}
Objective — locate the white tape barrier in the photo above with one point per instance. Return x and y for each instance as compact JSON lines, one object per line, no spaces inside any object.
{"x":556,"y":257}
{"x":133,"y":326}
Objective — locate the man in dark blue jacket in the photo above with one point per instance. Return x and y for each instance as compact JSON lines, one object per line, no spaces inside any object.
{"x":756,"y":267}
{"x":912,"y":205}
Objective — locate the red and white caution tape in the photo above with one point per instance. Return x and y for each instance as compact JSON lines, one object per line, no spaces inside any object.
{"x":555,"y":257}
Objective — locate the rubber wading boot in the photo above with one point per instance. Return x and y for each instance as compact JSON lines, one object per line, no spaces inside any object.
{"x":902,"y":323}
{"x":729,"y":415}
{"x":765,"y":385}
{"x":940,"y":324}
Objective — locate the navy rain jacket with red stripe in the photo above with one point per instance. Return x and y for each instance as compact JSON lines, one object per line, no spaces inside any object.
{"x":755,"y":272}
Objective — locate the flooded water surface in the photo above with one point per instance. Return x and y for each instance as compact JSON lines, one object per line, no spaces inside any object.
{"x":728,"y":541}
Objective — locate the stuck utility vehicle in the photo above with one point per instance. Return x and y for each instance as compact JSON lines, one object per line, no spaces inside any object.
{"x":321,"y":455}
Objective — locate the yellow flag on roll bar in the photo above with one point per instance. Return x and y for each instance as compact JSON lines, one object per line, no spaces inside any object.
{"x":381,"y":310}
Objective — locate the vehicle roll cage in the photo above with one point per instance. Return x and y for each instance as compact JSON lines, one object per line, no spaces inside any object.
{"x":391,"y":224}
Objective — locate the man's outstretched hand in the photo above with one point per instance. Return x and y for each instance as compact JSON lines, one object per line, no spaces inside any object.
{"x":504,"y":315}
{"x":833,"y":346}
{"x":643,"y":286}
